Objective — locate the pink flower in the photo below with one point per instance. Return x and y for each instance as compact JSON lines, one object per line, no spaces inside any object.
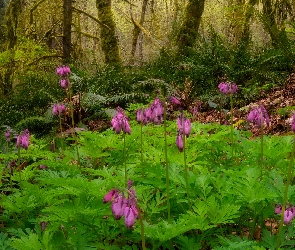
{"x":288,"y":215}
{"x":129,"y":217}
{"x":63,"y":71}
{"x":278,"y":209}
{"x":174,"y":100}
{"x":179,"y":142}
{"x":184,"y":125}
{"x":228,"y":88}
{"x":120,"y":122}
{"x":58,"y":109}
{"x":55,"y":109}
{"x":110,"y":195}
{"x":118,"y":206}
{"x":258,"y":116}
{"x":23,"y":139}
{"x":64,"y":83}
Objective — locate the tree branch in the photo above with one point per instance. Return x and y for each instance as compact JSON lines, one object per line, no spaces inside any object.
{"x":92,"y":17}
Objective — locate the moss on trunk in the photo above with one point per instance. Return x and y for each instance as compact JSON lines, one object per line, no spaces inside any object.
{"x":109,"y":41}
{"x":190,"y":25}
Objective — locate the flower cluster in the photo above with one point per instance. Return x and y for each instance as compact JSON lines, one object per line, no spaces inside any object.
{"x":58,"y":109}
{"x":175,"y":101}
{"x":289,"y":213}
{"x":258,"y":116}
{"x":122,"y":206}
{"x":154,"y":113}
{"x":227,"y":88}
{"x":64,"y":72}
{"x":120,"y":122}
{"x":183,"y":128}
{"x":23,"y":140}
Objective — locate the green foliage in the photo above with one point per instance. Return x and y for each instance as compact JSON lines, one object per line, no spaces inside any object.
{"x":226,"y":194}
{"x":36,"y":125}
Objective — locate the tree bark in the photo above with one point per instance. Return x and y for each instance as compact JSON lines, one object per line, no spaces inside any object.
{"x":189,"y":28}
{"x":109,"y":41}
{"x":12,"y":14}
{"x":67,"y":30}
{"x":136,"y":31}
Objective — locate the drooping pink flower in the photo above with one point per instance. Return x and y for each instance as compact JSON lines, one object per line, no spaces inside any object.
{"x":278,"y":209}
{"x":288,"y":215}
{"x":63,"y":71}
{"x":175,"y":101}
{"x":118,"y":206}
{"x":129,"y":217}
{"x":64,"y":83}
{"x":42,"y":167}
{"x":227,"y":88}
{"x":23,"y":139}
{"x":110,"y":195}
{"x":184,"y":125}
{"x":120,"y":122}
{"x":179,"y":142}
{"x":258,"y":116}
{"x":55,"y":109}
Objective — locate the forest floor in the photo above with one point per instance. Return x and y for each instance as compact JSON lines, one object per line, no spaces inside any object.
{"x":279,"y":102}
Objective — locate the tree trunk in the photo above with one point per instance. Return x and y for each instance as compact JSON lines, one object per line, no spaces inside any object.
{"x":237,"y":21}
{"x":248,"y":14}
{"x":13,"y":11}
{"x":270,"y":22}
{"x":189,"y":28}
{"x":109,"y":41}
{"x":2,"y":32}
{"x":136,"y":31}
{"x":67,"y":30}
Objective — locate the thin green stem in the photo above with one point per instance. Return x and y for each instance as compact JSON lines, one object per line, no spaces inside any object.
{"x":141,"y":153}
{"x":231,"y":125}
{"x":62,"y":142}
{"x":73,"y":124}
{"x":166,"y":164}
{"x":122,"y":233}
{"x":261,"y":151}
{"x":186,"y":169}
{"x":19,"y":170}
{"x":289,"y":176}
{"x":124,"y":157}
{"x":141,"y":228}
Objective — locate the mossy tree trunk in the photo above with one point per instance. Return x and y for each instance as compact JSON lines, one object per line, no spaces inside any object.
{"x":249,"y":10}
{"x":187,"y":35}
{"x":67,"y":30}
{"x":109,"y":41}
{"x":12,"y":14}
{"x":136,"y":31}
{"x":2,"y":32}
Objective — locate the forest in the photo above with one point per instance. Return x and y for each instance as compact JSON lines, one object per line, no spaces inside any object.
{"x":147,"y":124}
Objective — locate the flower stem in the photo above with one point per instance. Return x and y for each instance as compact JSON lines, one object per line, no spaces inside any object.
{"x":73,"y":124}
{"x":124,"y":158}
{"x":166,"y":164}
{"x":141,"y":153}
{"x":261,"y":151}
{"x":141,"y":228}
{"x":231,"y":125}
{"x":290,"y":174}
{"x":62,"y":143}
{"x":186,"y":170}
{"x":19,"y":170}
